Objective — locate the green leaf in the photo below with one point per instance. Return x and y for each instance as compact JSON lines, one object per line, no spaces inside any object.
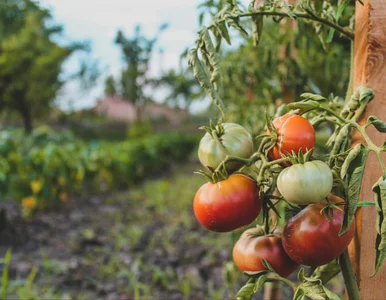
{"x":338,"y":14}
{"x":354,"y":152}
{"x":326,"y":272}
{"x":312,"y":288}
{"x":365,"y":94}
{"x":315,"y":97}
{"x":379,"y":190}
{"x":217,"y":38}
{"x":211,"y":57}
{"x":268,"y":265}
{"x":378,"y":124}
{"x":354,"y":181}
{"x":304,"y":106}
{"x":233,"y":20}
{"x":383,"y":148}
{"x":5,"y":278}
{"x":340,"y":142}
{"x":224,"y":31}
{"x":257,"y":28}
{"x":260,"y":283}
{"x":247,"y":291}
{"x":201,"y":73}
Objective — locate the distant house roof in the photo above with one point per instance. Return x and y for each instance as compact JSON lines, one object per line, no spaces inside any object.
{"x":115,"y":107}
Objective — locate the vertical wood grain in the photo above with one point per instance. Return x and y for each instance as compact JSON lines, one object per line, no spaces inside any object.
{"x":370,"y":71}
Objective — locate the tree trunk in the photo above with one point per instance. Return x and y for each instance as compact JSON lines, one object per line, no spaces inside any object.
{"x":27,"y":120}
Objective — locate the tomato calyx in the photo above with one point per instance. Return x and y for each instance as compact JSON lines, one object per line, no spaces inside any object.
{"x":328,"y":210}
{"x":213,"y":129}
{"x":215,"y":176}
{"x":300,"y":158}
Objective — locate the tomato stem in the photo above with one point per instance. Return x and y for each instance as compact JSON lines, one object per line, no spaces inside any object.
{"x":348,"y":33}
{"x":370,"y":144}
{"x":350,"y":88}
{"x":285,"y":280}
{"x":349,"y":276}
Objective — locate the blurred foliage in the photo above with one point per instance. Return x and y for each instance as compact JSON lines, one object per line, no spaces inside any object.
{"x":110,"y":86}
{"x":183,"y":88}
{"x":139,"y":129}
{"x":44,"y":168}
{"x":289,"y":59}
{"x":137,"y":52}
{"x":30,"y":59}
{"x":285,"y":64}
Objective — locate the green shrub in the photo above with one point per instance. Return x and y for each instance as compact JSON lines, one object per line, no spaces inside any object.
{"x":45,"y":168}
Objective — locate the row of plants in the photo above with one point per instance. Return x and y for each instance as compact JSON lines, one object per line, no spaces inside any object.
{"x":45,"y":167}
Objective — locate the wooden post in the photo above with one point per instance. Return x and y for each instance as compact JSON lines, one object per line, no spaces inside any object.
{"x":370,"y":71}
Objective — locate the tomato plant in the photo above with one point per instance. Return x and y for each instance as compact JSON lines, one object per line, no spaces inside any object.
{"x":227,"y":205}
{"x":226,"y":139}
{"x":252,"y":247}
{"x":305,"y":183}
{"x":322,"y":230}
{"x":311,"y":239}
{"x":294,"y":133}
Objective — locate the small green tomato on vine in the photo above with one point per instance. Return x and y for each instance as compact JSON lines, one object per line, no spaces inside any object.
{"x":223,"y":140}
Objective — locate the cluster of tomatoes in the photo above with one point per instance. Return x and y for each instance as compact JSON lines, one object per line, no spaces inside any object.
{"x":309,"y":238}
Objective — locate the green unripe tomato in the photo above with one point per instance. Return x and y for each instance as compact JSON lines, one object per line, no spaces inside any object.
{"x":305,"y":183}
{"x":236,"y":140}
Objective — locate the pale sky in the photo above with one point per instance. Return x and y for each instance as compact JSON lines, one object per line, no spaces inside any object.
{"x":98,"y":21}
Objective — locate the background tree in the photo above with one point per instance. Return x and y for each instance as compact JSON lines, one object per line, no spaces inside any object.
{"x":182,"y":86}
{"x":110,"y":86}
{"x":30,"y":61}
{"x":137,"y":52}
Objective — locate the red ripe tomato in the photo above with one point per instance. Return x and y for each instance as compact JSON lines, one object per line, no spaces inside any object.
{"x":249,"y":251}
{"x":310,"y":239}
{"x":228,"y":204}
{"x":294,"y":133}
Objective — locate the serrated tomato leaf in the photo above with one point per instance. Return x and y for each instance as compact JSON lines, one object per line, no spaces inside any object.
{"x":313,"y":289}
{"x":326,"y":272}
{"x":378,"y":124}
{"x":354,"y":152}
{"x":246,"y":292}
{"x":379,"y":190}
{"x":353,"y":186}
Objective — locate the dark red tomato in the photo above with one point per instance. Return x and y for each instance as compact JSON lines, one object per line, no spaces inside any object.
{"x":310,"y":239}
{"x":227,"y":205}
{"x":249,"y":251}
{"x":294,"y":133}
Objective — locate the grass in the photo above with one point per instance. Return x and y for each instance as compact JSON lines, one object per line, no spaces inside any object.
{"x":149,"y":247}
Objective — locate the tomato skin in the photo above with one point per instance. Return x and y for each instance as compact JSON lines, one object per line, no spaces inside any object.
{"x":306,"y":183}
{"x":294,"y":133}
{"x":227,"y":205}
{"x":249,"y":251}
{"x":311,"y":240}
{"x":235,"y":139}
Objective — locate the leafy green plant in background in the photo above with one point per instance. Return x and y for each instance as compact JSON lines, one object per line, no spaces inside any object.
{"x":45,"y":168}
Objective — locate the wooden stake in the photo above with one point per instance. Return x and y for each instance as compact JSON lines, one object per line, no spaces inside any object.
{"x":370,"y":71}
